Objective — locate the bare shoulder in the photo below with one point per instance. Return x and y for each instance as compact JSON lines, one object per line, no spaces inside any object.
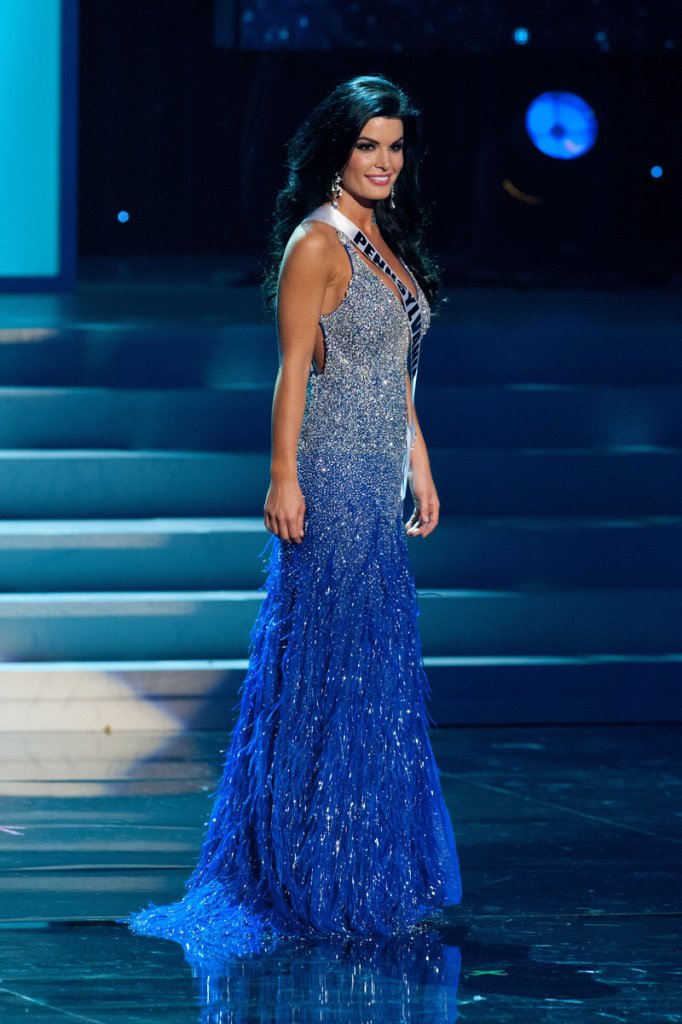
{"x":312,"y":249}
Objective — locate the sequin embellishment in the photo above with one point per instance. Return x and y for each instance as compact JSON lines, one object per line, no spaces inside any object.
{"x":329,"y":816}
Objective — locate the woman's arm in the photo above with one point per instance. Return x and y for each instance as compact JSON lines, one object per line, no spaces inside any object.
{"x":301,"y":289}
{"x":424,"y":519}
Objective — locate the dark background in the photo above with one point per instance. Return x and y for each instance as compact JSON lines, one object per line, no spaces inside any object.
{"x":186,"y":108}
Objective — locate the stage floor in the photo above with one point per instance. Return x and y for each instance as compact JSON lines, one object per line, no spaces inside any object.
{"x":569,"y":840}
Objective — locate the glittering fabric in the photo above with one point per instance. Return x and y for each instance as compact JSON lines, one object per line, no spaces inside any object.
{"x":329,"y":815}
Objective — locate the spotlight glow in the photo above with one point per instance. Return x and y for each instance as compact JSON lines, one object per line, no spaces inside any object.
{"x":656,"y":171}
{"x":123,"y":217}
{"x":521,"y":36}
{"x":561,"y":125}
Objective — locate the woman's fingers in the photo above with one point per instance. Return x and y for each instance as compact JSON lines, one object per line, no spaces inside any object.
{"x":284,"y":511}
{"x":429,"y":524}
{"x":289,"y":529}
{"x":413,"y":523}
{"x":282,"y":530}
{"x":430,"y":518}
{"x":423,"y":521}
{"x":295,"y":530}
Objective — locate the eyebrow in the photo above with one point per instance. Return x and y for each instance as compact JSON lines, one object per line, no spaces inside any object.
{"x":366,"y":138}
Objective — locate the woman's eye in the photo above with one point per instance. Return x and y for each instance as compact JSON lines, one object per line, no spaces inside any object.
{"x":366,"y":146}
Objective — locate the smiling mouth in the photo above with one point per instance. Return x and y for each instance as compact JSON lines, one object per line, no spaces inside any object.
{"x":379,"y":179}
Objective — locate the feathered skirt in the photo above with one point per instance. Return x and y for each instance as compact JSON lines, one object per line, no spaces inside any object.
{"x":329,"y":815}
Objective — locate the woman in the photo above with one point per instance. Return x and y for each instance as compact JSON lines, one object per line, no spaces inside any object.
{"x":329,"y":815}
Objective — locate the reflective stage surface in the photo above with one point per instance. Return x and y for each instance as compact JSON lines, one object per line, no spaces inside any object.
{"x":570,"y":844}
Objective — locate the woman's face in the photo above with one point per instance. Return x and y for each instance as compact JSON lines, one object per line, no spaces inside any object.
{"x":376,"y":160}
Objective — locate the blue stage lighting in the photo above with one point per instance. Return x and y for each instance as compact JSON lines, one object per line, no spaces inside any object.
{"x":561,"y":125}
{"x":656,"y":171}
{"x":521,"y":36}
{"x":123,"y":217}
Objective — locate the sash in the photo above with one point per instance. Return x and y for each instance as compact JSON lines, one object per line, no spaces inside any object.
{"x":330,"y":215}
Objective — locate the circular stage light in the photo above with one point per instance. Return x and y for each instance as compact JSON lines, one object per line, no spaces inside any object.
{"x":561,"y":125}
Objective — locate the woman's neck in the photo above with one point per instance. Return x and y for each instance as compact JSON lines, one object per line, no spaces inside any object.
{"x":362,"y":216}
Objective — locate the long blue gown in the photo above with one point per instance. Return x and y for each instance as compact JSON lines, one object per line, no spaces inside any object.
{"x":329,"y":815}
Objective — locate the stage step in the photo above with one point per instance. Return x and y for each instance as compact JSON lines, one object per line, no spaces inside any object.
{"x":171,"y":697}
{"x":145,"y":554}
{"x":616,"y":481}
{"x":216,"y":624}
{"x":238,"y":418}
{"x":550,"y":415}
{"x":540,"y":482}
{"x":105,"y":484}
{"x":55,"y":556}
{"x":135,"y":423}
{"x":548,"y":553}
{"x":567,"y":350}
{"x":189,"y":419}
{"x":572,"y":345}
{"x":147,"y":354}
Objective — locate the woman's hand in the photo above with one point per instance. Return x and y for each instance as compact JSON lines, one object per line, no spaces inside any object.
{"x":284,"y":510}
{"x":424,"y":519}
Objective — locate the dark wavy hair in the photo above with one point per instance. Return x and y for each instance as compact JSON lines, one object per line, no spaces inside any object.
{"x":322,"y":146}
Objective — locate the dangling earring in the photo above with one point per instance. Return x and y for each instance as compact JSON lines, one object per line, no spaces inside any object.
{"x":336,"y":191}
{"x":391,"y":200}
